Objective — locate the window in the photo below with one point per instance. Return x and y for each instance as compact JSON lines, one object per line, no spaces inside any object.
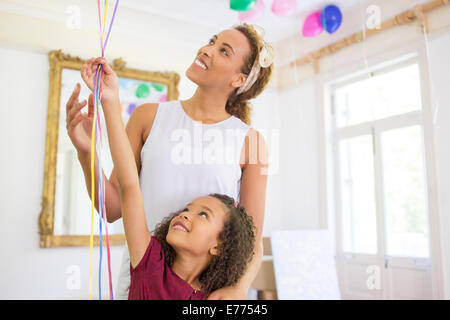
{"x":380,"y":165}
{"x":379,"y":97}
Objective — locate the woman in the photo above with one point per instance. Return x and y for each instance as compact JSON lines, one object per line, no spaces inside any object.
{"x":234,"y":67}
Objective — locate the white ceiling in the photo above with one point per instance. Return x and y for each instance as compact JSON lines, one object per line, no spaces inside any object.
{"x":216,"y":14}
{"x":170,"y":29}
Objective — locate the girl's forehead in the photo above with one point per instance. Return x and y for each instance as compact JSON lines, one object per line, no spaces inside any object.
{"x":211,"y":203}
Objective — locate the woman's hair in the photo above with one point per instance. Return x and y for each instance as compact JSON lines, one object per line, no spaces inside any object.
{"x":238,"y":105}
{"x":237,"y":241}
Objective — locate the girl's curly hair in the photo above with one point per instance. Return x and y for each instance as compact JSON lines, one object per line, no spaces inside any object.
{"x":238,"y":105}
{"x":237,"y":241}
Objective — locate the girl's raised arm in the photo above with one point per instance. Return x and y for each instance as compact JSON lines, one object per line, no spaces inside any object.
{"x":132,"y":205}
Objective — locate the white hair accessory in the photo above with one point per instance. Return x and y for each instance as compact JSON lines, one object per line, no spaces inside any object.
{"x":263,"y":60}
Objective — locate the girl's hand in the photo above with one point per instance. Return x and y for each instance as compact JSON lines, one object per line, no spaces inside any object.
{"x":228,"y":293}
{"x":109,"y":80}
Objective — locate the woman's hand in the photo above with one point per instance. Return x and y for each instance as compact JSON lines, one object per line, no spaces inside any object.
{"x":229,"y":293}
{"x":109,"y":80}
{"x":79,"y":125}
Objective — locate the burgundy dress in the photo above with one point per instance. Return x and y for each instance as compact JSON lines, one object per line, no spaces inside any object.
{"x":153,"y":279}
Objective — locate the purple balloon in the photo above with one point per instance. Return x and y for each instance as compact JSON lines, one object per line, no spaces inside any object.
{"x":312,"y":26}
{"x":131,"y":108}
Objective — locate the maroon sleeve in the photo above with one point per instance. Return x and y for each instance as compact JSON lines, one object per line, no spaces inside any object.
{"x":151,"y":258}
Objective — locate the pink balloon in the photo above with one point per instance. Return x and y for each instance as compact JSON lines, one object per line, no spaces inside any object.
{"x":284,"y":7}
{"x":312,"y":26}
{"x":253,"y":14}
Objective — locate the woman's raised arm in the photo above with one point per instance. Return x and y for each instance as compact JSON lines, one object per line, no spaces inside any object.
{"x":134,"y":129}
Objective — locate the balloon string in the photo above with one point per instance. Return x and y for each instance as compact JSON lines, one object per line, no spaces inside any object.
{"x":435,"y":100}
{"x":104,"y":24}
{"x":102,"y":202}
{"x":100,"y":197}
{"x":111,"y":23}
{"x":96,"y":121}
{"x":362,"y":37}
{"x":100,"y":238}
{"x":100,"y":24}
{"x":94,"y":140}
{"x":91,"y":237}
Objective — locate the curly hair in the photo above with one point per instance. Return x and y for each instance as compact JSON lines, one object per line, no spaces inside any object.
{"x":237,"y":241}
{"x":238,"y":105}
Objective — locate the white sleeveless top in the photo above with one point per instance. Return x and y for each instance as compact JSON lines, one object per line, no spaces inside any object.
{"x":181,"y":160}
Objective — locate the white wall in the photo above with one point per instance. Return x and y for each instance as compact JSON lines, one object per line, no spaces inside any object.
{"x":440,"y":71}
{"x":299,"y":158}
{"x":266,"y":119}
{"x":288,"y":119}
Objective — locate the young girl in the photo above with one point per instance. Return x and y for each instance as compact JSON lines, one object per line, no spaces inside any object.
{"x":204,"y":247}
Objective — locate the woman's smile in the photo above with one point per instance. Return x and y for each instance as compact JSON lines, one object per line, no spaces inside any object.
{"x":200,"y":64}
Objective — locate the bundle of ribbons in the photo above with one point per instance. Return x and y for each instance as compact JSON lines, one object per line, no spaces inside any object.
{"x":97,"y":142}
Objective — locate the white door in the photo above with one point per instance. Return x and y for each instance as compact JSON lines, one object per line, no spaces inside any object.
{"x":404,"y":209}
{"x":383,"y":247}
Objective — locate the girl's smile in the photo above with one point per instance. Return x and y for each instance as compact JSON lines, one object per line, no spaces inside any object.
{"x":178,"y":225}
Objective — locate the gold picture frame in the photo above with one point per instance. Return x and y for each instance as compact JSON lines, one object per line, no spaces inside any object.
{"x":58,"y":61}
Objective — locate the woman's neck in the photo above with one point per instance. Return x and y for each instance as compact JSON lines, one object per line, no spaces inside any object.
{"x":207,"y":107}
{"x":189,"y":269}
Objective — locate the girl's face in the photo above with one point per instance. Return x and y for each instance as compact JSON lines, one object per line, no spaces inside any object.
{"x":218,"y":64}
{"x":197,"y":227}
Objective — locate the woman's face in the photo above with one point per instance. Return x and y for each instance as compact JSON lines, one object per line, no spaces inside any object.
{"x":218,"y":64}
{"x":197,"y":227}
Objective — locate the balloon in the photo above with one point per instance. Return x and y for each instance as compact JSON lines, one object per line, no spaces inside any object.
{"x":163,"y":99}
{"x":284,"y":7}
{"x":242,"y":5}
{"x":131,"y":108}
{"x":312,"y":26}
{"x":142,"y":91}
{"x":158,"y":87}
{"x":331,"y":18}
{"x":255,"y":13}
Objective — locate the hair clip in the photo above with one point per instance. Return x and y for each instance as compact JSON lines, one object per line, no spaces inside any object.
{"x":264,"y":60}
{"x":266,"y":53}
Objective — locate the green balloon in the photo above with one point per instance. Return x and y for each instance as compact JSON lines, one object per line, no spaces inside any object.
{"x":242,"y":5}
{"x":142,"y":91}
{"x":158,"y":87}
